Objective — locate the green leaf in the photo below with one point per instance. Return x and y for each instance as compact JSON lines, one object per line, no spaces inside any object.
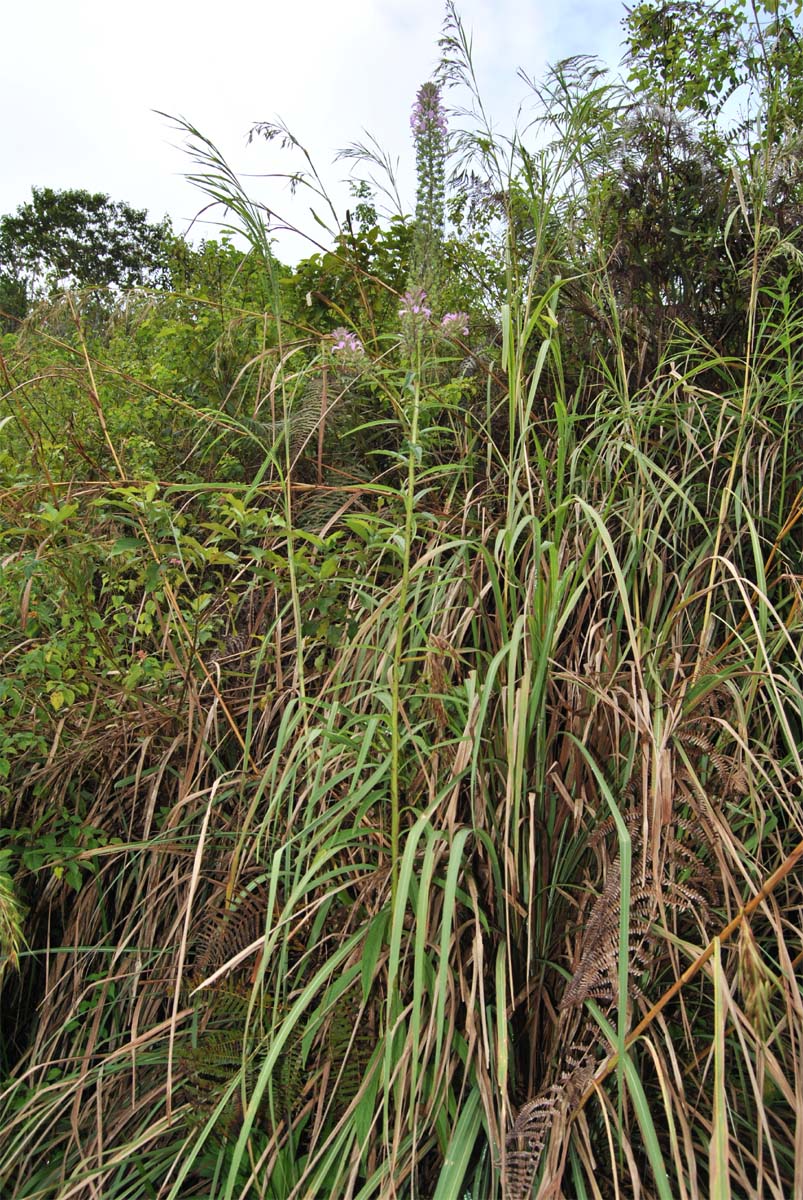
{"x":460,"y":1150}
{"x":57,"y":516}
{"x":648,"y":1130}
{"x":718,"y":1150}
{"x":124,"y":545}
{"x":371,"y":950}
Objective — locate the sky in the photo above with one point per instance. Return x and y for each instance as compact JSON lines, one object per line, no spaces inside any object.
{"x":81,"y":83}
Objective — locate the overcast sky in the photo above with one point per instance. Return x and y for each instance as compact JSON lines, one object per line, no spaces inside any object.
{"x":80,"y":81}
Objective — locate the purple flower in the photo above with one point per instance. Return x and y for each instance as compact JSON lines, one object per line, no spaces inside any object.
{"x":428,"y":115}
{"x":345,"y":343}
{"x":414,"y":304}
{"x":454,"y":323}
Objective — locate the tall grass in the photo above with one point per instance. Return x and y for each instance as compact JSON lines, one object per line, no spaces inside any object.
{"x":451,"y":846}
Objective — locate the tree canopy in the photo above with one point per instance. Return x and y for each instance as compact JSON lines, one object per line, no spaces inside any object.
{"x":76,"y":238}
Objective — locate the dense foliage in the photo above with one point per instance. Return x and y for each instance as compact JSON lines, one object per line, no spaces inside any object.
{"x":402,"y":737}
{"x":76,"y":239}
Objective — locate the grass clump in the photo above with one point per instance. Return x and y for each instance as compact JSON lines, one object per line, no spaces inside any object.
{"x":402,"y":768}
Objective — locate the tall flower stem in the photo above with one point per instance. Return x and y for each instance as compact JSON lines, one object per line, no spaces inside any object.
{"x":413,"y":455}
{"x":428,"y":123}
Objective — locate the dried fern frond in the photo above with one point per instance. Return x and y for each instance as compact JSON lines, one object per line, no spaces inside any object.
{"x":529,"y":1133}
{"x":526,"y":1140}
{"x":680,"y":880}
{"x":229,"y":929}
{"x":596,"y":974}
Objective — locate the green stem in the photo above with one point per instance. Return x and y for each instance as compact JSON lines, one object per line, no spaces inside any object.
{"x":398,"y":648}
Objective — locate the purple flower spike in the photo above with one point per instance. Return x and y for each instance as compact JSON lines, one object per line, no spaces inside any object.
{"x":414,"y":304}
{"x":428,"y":115}
{"x":454,"y":323}
{"x":346,"y":343}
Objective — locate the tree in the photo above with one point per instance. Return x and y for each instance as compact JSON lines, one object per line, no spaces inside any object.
{"x":74,"y":238}
{"x":683,"y":233}
{"x":698,"y":56}
{"x":687,"y":55}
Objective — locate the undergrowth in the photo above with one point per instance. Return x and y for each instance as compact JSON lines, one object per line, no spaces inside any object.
{"x":402,"y":754}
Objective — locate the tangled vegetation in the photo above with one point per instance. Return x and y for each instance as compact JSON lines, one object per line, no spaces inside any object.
{"x":400,"y":764}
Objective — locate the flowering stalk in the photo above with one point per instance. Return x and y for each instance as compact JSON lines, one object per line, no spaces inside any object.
{"x":414,"y":305}
{"x":344,"y":342}
{"x":455,"y":324}
{"x":346,"y":352}
{"x":428,"y":123}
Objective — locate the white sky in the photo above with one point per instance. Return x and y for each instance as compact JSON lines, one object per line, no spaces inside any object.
{"x":81,"y":78}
